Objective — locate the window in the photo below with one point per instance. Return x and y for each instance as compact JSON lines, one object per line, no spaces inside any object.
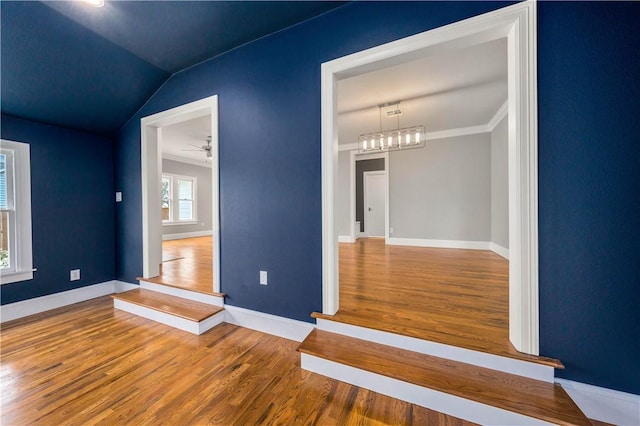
{"x":15,"y":212}
{"x":178,"y":199}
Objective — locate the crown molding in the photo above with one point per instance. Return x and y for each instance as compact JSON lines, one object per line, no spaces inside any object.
{"x":498,"y":116}
{"x":452,"y":133}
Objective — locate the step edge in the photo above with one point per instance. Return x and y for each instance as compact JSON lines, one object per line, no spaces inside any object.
{"x":541,"y":360}
{"x":218,"y":309}
{"x":196,"y":296}
{"x":215,"y":294}
{"x":459,"y":354}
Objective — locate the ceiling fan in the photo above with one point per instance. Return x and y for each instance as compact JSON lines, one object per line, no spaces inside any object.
{"x":204,"y":148}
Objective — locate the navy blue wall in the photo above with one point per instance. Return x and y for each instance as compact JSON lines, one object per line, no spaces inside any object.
{"x":269,"y":99}
{"x":589,"y":190}
{"x":71,"y":206}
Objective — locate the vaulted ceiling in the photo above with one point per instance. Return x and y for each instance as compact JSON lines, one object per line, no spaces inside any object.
{"x":73,"y":65}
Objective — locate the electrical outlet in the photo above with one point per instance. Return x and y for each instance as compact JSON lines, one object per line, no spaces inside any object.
{"x":391,"y":230}
{"x":118,"y":197}
{"x":263,"y":277}
{"x":74,"y":275}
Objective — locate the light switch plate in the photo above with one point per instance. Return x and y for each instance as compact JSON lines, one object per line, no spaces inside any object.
{"x":263,"y":277}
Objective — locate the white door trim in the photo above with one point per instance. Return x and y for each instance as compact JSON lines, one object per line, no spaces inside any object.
{"x":151,"y":130}
{"x":364,"y":194}
{"x":517,"y":24}
{"x":353,"y":157}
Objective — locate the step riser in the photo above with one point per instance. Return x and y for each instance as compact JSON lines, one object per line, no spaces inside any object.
{"x":168,"y":319}
{"x":425,"y":397}
{"x":184,"y":294}
{"x":480,"y":359}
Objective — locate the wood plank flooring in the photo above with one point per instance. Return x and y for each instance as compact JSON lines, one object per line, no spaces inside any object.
{"x":90,"y":364}
{"x":451,"y":296}
{"x":191,"y":267}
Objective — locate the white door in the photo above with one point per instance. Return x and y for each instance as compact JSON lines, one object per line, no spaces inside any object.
{"x":374,"y":203}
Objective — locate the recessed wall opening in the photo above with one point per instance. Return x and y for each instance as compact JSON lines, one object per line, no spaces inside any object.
{"x":191,"y":218}
{"x":514,"y":28}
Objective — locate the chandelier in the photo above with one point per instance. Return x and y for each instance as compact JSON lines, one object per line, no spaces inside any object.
{"x":392,"y":140}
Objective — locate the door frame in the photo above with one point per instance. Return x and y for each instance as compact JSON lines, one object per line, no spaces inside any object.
{"x":353,"y":157}
{"x":516,"y":24}
{"x":386,"y":203}
{"x":151,"y":146}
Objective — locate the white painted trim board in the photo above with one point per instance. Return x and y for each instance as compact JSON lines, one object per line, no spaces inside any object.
{"x":606,"y":405}
{"x":181,"y":235}
{"x":266,"y":323}
{"x":37,"y":305}
{"x":456,"y":244}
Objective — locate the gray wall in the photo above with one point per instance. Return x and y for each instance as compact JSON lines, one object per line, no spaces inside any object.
{"x":203,"y":174}
{"x":442,"y":191}
{"x":343,"y":209}
{"x":500,"y":185}
{"x":361,"y":167}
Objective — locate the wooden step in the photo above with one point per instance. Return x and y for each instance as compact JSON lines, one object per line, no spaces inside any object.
{"x":185,"y":314}
{"x":532,"y":399}
{"x":523,"y":366}
{"x":505,"y":350}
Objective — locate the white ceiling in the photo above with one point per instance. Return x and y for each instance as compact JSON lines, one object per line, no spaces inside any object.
{"x":451,"y":90}
{"x":181,"y":141}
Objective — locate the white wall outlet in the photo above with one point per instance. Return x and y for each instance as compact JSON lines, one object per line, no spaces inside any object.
{"x":74,"y":275}
{"x":263,"y":277}
{"x":391,"y":230}
{"x":118,"y":197}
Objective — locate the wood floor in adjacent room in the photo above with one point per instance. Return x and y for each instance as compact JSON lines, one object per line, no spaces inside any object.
{"x":90,"y":364}
{"x":452,"y":296}
{"x":187,"y":263}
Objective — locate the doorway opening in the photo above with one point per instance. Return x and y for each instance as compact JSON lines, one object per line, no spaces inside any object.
{"x":206,"y":250}
{"x":515,"y":24}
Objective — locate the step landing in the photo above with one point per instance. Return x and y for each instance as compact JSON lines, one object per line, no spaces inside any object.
{"x":185,"y":314}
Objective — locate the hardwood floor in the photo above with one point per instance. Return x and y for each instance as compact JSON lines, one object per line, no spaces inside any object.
{"x":189,"y":264}
{"x":451,"y":296}
{"x":90,"y":364}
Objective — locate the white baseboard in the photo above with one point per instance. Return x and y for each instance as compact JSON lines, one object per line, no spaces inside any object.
{"x":209,"y":299}
{"x":174,"y":321}
{"x":345,"y":239}
{"x":457,"y":244}
{"x":181,"y":235}
{"x":606,"y":405}
{"x":57,"y":300}
{"x":499,"y":250}
{"x":481,"y":359}
{"x":429,"y":398}
{"x":267,"y":323}
{"x":420,"y":242}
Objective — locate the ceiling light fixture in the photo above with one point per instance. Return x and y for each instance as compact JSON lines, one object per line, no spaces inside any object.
{"x":392,"y":140}
{"x":95,"y":3}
